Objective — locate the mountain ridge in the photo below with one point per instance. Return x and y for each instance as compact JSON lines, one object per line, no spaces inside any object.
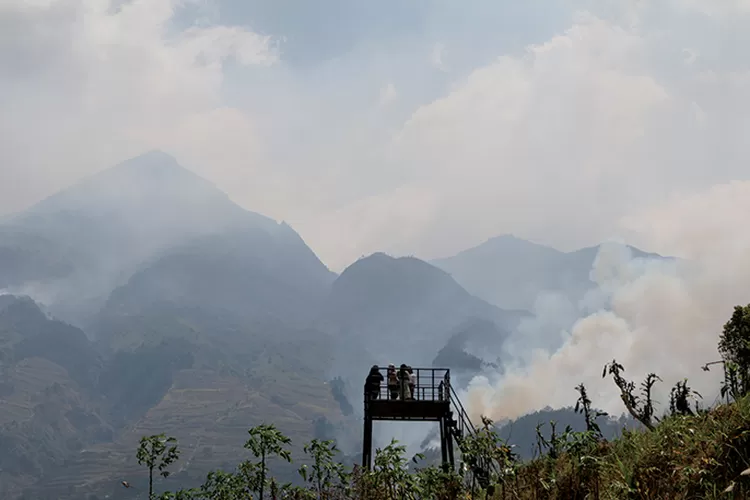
{"x":94,"y":236}
{"x":511,"y":273}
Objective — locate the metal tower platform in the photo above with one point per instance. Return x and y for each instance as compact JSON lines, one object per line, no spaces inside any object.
{"x":433,"y":400}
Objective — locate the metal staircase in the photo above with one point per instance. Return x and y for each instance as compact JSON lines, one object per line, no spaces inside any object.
{"x":459,"y":428}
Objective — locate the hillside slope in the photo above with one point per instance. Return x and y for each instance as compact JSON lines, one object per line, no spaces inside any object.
{"x":71,"y":411}
{"x":48,"y":372}
{"x":71,"y":250}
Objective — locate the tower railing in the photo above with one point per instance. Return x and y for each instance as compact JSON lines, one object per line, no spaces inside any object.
{"x":431,"y":384}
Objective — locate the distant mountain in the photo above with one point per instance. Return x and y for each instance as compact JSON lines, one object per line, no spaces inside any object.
{"x":196,"y":315}
{"x":72,"y":411}
{"x":246,"y":272}
{"x":510,"y":272}
{"x":154,"y":229}
{"x":522,"y":432}
{"x":400,"y":310}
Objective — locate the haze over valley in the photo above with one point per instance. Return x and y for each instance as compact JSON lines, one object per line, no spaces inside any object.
{"x":142,"y":299}
{"x":219,"y":214}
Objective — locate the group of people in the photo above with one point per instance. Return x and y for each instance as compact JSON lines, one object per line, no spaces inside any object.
{"x":401,"y":383}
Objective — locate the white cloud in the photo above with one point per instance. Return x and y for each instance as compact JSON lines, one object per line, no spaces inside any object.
{"x":715,"y":8}
{"x":533,"y":144}
{"x":556,"y":142}
{"x":96,"y":82}
{"x":698,"y":225}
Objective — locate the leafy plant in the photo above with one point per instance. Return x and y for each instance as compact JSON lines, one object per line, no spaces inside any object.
{"x":583,"y":405}
{"x":265,"y":442}
{"x":680,"y":397}
{"x":325,"y":473}
{"x":157,"y":452}
{"x":191,"y":494}
{"x":438,"y":484}
{"x":734,"y":347}
{"x":485,"y":452}
{"x":640,"y":407}
{"x":390,"y":472}
{"x":224,"y":485}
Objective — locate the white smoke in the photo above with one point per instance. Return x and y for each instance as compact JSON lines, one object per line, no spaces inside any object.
{"x":553,"y":315}
{"x":661,"y":316}
{"x":41,"y":293}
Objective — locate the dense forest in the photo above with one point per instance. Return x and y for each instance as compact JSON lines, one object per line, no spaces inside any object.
{"x":692,"y":451}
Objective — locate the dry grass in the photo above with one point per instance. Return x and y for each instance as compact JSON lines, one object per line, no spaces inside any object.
{"x":685,"y":457}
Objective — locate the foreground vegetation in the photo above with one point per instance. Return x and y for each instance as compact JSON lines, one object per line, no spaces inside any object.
{"x":689,"y":453}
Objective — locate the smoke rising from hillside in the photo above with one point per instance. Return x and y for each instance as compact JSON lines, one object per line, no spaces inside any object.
{"x":660,"y":316}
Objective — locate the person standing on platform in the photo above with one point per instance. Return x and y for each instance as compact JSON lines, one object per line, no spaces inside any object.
{"x":403,"y":378}
{"x":392,"y":381}
{"x":412,"y":382}
{"x":372,"y":383}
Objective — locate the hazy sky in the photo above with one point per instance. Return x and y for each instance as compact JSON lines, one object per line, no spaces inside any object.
{"x":410,"y":126}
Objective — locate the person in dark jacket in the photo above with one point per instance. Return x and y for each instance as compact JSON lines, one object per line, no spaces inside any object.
{"x":372,"y":383}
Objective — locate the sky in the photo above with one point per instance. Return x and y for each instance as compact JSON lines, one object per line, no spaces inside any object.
{"x":417,"y":127}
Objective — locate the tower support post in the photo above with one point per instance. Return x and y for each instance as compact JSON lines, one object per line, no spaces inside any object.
{"x":444,"y":437}
{"x":367,"y":443}
{"x":449,"y":442}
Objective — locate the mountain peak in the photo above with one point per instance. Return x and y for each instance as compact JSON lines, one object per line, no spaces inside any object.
{"x":149,"y":215}
{"x":382,"y":277}
{"x":383,"y":262}
{"x":152,"y":164}
{"x":156,"y":155}
{"x":510,"y":239}
{"x":506,"y":246}
{"x":154,"y":181}
{"x":506,"y":237}
{"x":153,"y":169}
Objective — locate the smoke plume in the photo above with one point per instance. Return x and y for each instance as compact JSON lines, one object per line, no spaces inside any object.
{"x":652,"y":315}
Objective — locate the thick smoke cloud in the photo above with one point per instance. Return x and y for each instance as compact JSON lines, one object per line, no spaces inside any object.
{"x":653,"y":315}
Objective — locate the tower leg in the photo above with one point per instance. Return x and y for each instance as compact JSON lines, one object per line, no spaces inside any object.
{"x":451,"y":458}
{"x":367,"y":443}
{"x":444,"y":442}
